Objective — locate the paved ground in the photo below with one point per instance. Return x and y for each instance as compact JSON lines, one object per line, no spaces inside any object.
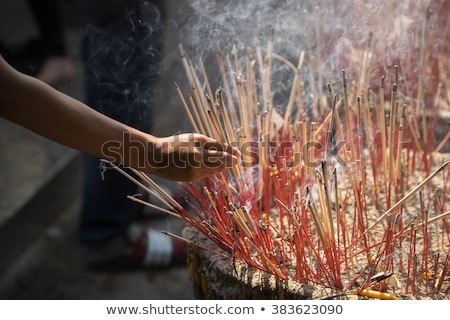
{"x":51,"y":267}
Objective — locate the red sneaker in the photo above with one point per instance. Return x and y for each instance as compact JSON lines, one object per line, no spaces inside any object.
{"x":146,"y":249}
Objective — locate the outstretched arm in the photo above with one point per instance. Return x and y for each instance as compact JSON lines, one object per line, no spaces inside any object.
{"x":36,"y":106}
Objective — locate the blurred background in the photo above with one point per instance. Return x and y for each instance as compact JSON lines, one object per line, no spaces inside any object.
{"x":40,"y":193}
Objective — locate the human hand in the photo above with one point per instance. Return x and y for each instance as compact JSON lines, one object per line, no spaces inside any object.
{"x":191,"y":157}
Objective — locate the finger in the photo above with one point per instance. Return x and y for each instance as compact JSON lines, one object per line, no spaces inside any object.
{"x":215,"y":159}
{"x":221,"y":146}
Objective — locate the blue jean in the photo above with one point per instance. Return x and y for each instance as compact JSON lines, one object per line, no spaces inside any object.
{"x":122,"y":53}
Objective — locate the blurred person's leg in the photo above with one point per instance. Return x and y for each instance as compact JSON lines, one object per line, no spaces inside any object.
{"x":45,"y":56}
{"x":54,"y":66}
{"x":48,"y":19}
{"x":122,"y":54}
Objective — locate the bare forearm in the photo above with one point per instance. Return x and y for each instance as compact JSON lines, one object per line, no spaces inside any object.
{"x":56,"y":116}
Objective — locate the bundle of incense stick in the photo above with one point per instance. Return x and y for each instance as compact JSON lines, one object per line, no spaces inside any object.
{"x":330,"y":199}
